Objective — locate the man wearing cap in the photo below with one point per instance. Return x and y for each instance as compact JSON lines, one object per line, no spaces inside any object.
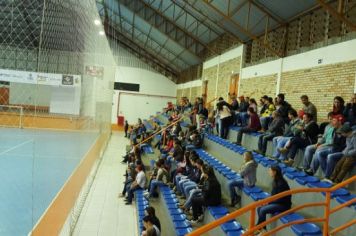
{"x":335,"y":142}
{"x":348,"y":160}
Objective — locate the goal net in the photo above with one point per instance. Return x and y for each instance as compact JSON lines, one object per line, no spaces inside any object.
{"x":11,"y":116}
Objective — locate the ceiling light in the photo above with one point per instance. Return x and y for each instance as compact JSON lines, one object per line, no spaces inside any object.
{"x":101,"y":32}
{"x":97,"y":22}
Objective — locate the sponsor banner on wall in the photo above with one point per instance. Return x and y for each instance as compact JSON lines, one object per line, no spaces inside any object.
{"x":27,"y":77}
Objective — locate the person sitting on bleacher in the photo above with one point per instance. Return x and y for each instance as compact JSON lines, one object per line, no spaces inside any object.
{"x":268,"y":109}
{"x":168,"y":145}
{"x":135,"y":151}
{"x":348,"y":157}
{"x":338,"y":110}
{"x":350,"y":112}
{"x":307,"y":134}
{"x":175,"y":154}
{"x":176,"y":129}
{"x":186,"y":185}
{"x":279,"y":185}
{"x":248,"y":173}
{"x":170,"y":107}
{"x":211,"y":194}
{"x":190,"y":172}
{"x":193,"y":193}
{"x":181,"y":138}
{"x":141,"y":129}
{"x":275,"y":128}
{"x":194,"y":141}
{"x":151,"y":229}
{"x":253,"y":125}
{"x":161,"y":178}
{"x":334,"y":142}
{"x":289,"y":133}
{"x":139,"y":183}
{"x":151,"y":212}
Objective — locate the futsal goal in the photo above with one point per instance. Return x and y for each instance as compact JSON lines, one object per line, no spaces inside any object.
{"x":11,"y":116}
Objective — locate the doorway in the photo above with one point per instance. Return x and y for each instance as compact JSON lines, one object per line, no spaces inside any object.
{"x":233,"y":86}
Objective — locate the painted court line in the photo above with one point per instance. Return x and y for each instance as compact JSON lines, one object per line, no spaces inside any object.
{"x":14,"y":147}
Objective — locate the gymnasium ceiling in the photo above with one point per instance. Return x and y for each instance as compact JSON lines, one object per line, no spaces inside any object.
{"x":174,"y":35}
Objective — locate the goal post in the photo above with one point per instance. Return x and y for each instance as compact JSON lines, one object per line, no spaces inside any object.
{"x":11,"y":116}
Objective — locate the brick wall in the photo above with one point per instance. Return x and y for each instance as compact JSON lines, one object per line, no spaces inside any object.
{"x":256,"y":87}
{"x":224,"y":75}
{"x":179,"y":94}
{"x":321,"y":84}
{"x":209,"y":74}
{"x":195,"y":92}
{"x":225,"y":70}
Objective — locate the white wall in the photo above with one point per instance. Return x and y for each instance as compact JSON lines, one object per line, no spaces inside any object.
{"x":190,"y":84}
{"x":151,"y":83}
{"x":30,"y":94}
{"x":233,"y":53}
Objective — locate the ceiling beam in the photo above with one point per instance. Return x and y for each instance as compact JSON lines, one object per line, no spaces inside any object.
{"x":165,"y":25}
{"x":267,"y":12}
{"x":179,"y":4}
{"x":243,"y":30}
{"x":237,"y":8}
{"x":218,"y":23}
{"x":337,"y":15}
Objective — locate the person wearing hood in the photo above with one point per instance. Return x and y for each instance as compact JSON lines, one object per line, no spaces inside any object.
{"x":348,"y":160}
{"x":248,"y":174}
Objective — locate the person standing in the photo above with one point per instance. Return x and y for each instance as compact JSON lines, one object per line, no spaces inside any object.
{"x":309,"y":107}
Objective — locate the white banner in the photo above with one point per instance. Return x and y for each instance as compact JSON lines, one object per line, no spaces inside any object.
{"x":40,"y":78}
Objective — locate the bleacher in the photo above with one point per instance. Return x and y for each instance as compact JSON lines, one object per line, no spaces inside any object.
{"x":226,"y":158}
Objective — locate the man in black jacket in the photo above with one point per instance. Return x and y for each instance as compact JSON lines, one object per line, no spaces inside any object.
{"x":284,"y":107}
{"x":275,"y":128}
{"x":307,"y":135}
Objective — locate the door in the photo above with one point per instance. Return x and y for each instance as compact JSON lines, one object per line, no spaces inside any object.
{"x":233,"y":87}
{"x":4,"y":95}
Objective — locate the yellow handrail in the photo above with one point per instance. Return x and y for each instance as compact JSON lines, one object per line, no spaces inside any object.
{"x":252,"y":208}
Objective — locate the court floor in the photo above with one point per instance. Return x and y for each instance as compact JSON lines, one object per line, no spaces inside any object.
{"x":34,"y":165}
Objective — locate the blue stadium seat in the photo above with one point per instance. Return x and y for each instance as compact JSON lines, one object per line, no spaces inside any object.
{"x":306,"y":179}
{"x":339,"y":192}
{"x":181,"y":224}
{"x":218,"y":210}
{"x":249,"y":190}
{"x":231,"y":226}
{"x":306,"y":229}
{"x":295,"y":174}
{"x":182,"y":232}
{"x":291,"y":217}
{"x":259,"y":196}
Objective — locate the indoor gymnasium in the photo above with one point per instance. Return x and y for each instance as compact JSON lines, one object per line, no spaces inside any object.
{"x":177,"y":117}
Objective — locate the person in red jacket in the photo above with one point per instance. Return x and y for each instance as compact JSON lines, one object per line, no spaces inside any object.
{"x":253,"y":125}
